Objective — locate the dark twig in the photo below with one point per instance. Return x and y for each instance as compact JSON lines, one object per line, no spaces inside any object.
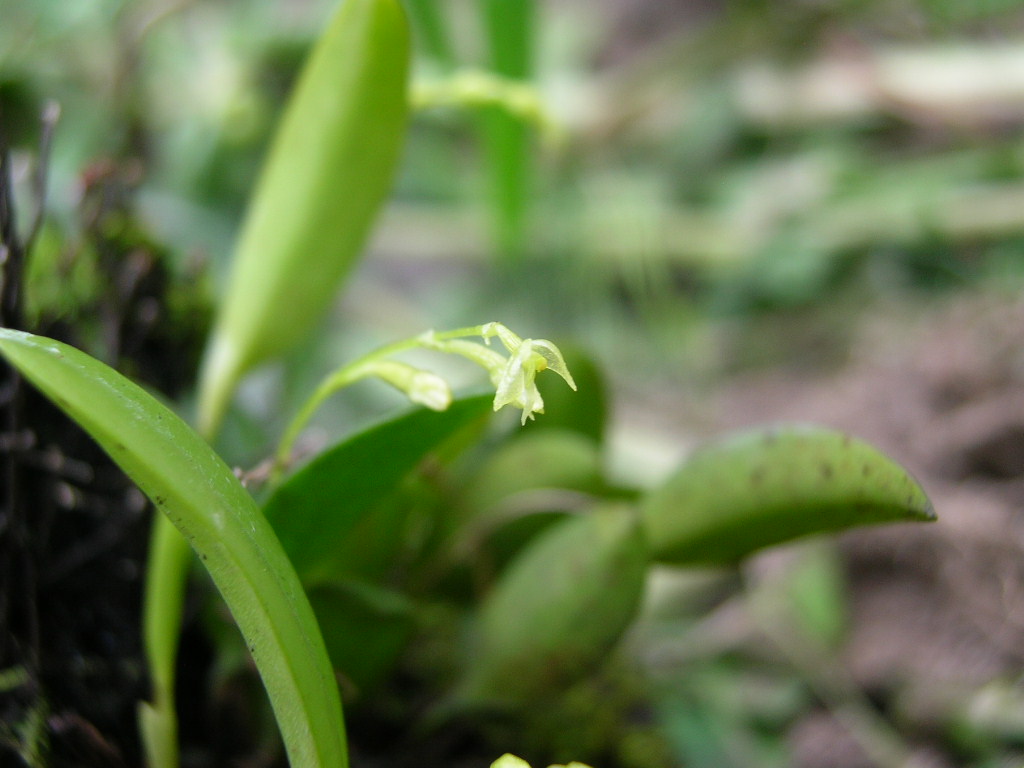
{"x":12,"y":552}
{"x":17,"y":566}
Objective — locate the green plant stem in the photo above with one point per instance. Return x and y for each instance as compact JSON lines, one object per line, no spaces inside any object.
{"x":343,"y":377}
{"x":163,"y":606}
{"x":832,"y":683}
{"x":219,"y":378}
{"x":167,"y":577}
{"x":509,"y":27}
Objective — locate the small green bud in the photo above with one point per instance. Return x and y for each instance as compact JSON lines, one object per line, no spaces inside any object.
{"x":422,"y":387}
{"x":510,"y":761}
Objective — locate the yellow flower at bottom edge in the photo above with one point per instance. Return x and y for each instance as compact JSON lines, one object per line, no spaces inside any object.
{"x":511,"y":761}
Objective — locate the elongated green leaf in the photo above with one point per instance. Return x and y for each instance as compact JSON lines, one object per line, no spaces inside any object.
{"x":315,"y":508}
{"x":558,"y":609}
{"x":189,"y":483}
{"x":764,"y":487}
{"x":328,"y":172}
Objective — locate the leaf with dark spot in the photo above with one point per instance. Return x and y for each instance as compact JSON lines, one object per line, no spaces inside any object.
{"x":760,"y":488}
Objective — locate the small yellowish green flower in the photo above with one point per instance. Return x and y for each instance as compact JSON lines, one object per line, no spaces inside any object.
{"x":511,"y":761}
{"x":514,"y":377}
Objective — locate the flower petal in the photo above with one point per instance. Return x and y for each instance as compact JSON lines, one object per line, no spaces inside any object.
{"x":553,"y":358}
{"x":516,"y":384}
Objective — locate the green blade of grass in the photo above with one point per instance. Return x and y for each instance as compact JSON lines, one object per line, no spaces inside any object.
{"x":430,"y":22}
{"x":197,"y":491}
{"x":509,"y":25}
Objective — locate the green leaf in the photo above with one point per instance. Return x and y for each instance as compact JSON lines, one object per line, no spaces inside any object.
{"x":558,"y":609}
{"x":329,"y":170}
{"x":526,"y":485}
{"x":314,"y":509}
{"x":365,"y":628}
{"x":542,"y":459}
{"x":764,"y":487}
{"x":198,"y":492}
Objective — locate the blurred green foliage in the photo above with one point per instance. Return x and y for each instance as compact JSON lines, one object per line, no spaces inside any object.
{"x":701,"y":176}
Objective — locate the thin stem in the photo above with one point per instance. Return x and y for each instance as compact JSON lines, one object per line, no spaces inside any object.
{"x":333,"y":383}
{"x":349,"y":374}
{"x":166,"y":581}
{"x":162,"y":607}
{"x":167,"y":576}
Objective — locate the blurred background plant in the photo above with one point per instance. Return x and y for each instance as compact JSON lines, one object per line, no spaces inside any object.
{"x":745,"y":211}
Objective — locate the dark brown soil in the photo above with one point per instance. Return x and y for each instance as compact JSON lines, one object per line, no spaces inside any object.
{"x":73,"y":529}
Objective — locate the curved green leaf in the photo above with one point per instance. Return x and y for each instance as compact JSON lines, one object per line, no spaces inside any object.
{"x":197,"y":491}
{"x":543,"y":459}
{"x":764,"y":487}
{"x":314,"y":509}
{"x":329,"y":169}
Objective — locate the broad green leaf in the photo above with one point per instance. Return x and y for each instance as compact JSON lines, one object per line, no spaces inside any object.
{"x":525,"y":486}
{"x":197,"y":491}
{"x":314,"y":509}
{"x":552,"y":459}
{"x":329,"y":169}
{"x":487,"y":548}
{"x":379,"y":543}
{"x":364,"y":626}
{"x":760,"y":488}
{"x":558,"y":609}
